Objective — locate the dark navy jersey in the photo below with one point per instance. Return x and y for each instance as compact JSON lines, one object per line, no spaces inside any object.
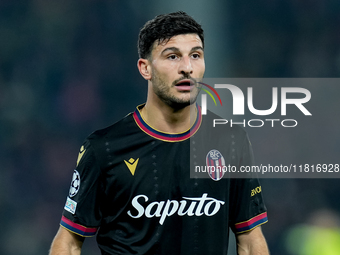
{"x":133,"y":187}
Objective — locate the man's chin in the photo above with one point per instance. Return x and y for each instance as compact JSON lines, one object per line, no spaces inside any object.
{"x":182,"y":104}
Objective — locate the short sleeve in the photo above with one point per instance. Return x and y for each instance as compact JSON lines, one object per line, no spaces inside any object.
{"x":81,"y":213}
{"x":246,"y":202}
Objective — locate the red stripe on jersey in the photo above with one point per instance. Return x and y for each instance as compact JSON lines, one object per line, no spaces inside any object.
{"x":212,"y":163}
{"x":252,"y":223}
{"x":166,"y":136}
{"x":76,"y":228}
{"x":220,"y":168}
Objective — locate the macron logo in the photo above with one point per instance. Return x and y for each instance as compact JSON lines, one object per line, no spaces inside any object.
{"x":132,"y":164}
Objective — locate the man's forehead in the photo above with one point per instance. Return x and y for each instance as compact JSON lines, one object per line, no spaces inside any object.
{"x":178,"y":41}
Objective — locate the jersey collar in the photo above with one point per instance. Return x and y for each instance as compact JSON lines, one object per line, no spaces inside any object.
{"x":168,"y":137}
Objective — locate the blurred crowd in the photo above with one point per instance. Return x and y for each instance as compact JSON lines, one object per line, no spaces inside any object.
{"x":69,"y":67}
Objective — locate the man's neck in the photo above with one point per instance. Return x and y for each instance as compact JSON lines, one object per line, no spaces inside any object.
{"x":167,"y":119}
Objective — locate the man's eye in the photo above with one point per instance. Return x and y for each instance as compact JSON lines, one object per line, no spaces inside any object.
{"x":172,"y":57}
{"x":196,"y":55}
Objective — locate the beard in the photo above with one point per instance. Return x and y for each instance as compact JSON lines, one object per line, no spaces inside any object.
{"x":163,"y":91}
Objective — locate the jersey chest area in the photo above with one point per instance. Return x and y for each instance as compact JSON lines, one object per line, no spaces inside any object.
{"x":153,"y":167}
{"x":157,"y":172}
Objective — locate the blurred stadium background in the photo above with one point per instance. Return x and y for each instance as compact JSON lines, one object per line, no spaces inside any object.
{"x":69,"y":67}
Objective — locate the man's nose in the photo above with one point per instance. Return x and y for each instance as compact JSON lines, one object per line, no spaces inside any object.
{"x":185,"y":66}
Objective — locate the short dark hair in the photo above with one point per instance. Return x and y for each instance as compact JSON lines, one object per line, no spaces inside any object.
{"x":164,"y":27}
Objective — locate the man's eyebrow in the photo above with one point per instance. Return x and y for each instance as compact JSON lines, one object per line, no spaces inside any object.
{"x":197,"y":48}
{"x":171,"y":49}
{"x":175,"y":49}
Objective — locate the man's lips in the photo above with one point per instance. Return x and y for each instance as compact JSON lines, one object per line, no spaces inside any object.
{"x":185,"y":85}
{"x":185,"y":82}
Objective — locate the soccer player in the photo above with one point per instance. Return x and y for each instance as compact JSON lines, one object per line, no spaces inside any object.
{"x":132,"y":185}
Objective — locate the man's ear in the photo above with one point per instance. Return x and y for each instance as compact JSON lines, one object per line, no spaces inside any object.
{"x":144,"y":68}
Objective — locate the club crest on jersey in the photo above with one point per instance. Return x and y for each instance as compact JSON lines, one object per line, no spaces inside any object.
{"x":215,"y":165}
{"x":75,"y":184}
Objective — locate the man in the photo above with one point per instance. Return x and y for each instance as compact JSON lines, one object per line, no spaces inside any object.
{"x":132,"y":183}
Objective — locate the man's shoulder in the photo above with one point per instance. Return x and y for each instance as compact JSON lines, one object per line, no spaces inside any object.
{"x":117,"y":129}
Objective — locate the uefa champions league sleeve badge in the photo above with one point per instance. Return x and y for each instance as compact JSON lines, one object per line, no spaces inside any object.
{"x":75,"y":184}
